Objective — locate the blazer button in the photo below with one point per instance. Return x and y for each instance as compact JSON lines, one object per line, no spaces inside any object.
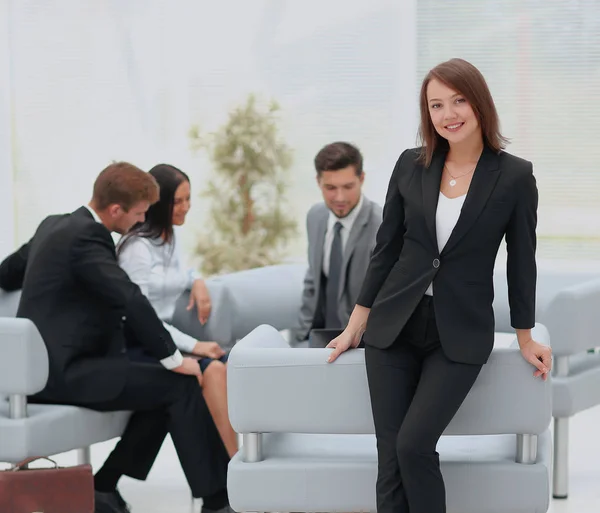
{"x":436,"y":263}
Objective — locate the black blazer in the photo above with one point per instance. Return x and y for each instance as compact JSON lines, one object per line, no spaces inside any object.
{"x":79,"y":299}
{"x":501,"y":202}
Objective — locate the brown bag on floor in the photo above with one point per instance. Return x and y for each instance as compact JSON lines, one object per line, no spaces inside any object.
{"x":47,"y":490}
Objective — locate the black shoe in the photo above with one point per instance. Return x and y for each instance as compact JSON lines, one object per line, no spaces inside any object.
{"x":122,"y":502}
{"x":110,"y":502}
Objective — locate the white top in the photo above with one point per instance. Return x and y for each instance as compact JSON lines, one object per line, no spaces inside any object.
{"x":446,"y":217}
{"x":160,"y":273}
{"x":347,"y":223}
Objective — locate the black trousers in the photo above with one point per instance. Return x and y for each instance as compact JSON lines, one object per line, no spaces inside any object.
{"x":415,"y":391}
{"x":166,"y":402}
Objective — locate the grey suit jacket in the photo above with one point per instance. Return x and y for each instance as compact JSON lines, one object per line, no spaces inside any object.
{"x":357,"y":255}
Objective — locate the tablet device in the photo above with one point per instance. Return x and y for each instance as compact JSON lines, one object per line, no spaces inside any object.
{"x":321,"y":337}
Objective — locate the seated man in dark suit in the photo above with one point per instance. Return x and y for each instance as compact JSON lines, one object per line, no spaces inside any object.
{"x":81,"y":301}
{"x":341,"y":236}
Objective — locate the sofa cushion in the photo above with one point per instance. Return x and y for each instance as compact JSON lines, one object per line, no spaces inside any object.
{"x":51,"y":429}
{"x":219,"y":327}
{"x":242,"y":301}
{"x":579,"y":390}
{"x":9,"y":302}
{"x":275,"y":388}
{"x":314,"y":473}
{"x":550,"y":283}
{"x":23,"y":357}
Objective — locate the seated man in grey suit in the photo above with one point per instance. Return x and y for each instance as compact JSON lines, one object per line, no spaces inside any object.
{"x":341,"y":237}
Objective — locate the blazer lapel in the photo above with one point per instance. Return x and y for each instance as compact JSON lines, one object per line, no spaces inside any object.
{"x":430,"y":184}
{"x":362,"y":219}
{"x":482,"y":184}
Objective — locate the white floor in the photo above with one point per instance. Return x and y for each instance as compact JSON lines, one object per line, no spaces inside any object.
{"x":166,"y":490}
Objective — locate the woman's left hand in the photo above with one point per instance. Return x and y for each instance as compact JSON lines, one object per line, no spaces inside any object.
{"x":200,"y":297}
{"x":538,"y":355}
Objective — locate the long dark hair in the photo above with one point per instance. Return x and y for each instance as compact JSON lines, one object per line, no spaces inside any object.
{"x":159,"y":218}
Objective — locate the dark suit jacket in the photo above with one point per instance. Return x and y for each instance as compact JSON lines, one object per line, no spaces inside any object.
{"x":79,"y":299}
{"x":501,"y":202}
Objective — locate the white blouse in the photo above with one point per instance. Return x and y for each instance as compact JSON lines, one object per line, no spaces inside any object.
{"x":446,"y":217}
{"x":159,"y":272}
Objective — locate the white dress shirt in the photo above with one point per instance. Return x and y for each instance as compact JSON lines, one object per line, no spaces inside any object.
{"x":160,"y":273}
{"x":347,"y":223}
{"x":446,"y":217}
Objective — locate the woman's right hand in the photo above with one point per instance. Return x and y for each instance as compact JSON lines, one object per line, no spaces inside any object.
{"x":351,"y":336}
{"x":346,"y":340}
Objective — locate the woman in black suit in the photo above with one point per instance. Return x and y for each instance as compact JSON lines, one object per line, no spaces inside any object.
{"x":425,"y":309}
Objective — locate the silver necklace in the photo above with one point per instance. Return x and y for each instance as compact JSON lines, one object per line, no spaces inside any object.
{"x":453,"y":178}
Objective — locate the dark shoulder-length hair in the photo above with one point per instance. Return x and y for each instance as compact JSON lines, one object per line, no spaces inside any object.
{"x":467,"y":80}
{"x":159,"y":218}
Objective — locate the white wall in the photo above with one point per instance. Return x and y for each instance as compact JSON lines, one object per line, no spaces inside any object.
{"x":406,"y":106}
{"x":7,"y":232}
{"x":108,"y":80}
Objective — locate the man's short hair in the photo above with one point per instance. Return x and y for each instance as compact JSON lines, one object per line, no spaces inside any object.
{"x":339,"y":155}
{"x":124,"y":184}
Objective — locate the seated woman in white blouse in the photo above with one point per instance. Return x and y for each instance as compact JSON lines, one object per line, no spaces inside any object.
{"x":150,"y":256}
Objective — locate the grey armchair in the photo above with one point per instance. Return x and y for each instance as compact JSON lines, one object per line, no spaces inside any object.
{"x":308,"y":441}
{"x":568,"y":304}
{"x":38,"y":429}
{"x":243,"y":300}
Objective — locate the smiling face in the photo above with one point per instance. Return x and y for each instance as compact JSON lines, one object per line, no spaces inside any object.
{"x":451,"y":114}
{"x":181,"y":203}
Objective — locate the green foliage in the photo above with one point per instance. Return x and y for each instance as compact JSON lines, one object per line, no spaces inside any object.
{"x":248,"y":224}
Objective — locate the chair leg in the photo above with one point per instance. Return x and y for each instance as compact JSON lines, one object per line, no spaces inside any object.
{"x":560,"y":489}
{"x":84,"y":456}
